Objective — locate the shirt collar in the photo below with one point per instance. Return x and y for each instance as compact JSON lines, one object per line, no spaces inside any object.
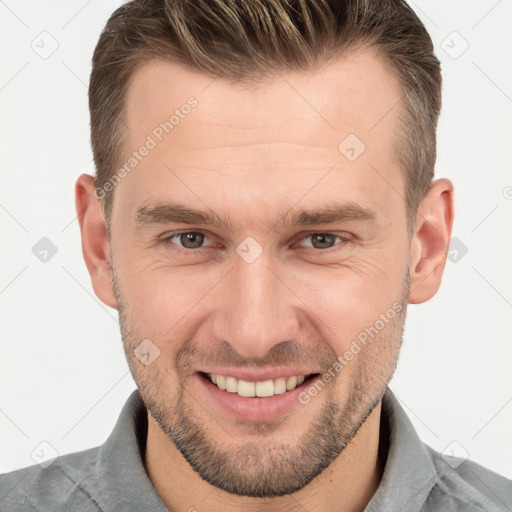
{"x":409,"y":473}
{"x":124,"y":482}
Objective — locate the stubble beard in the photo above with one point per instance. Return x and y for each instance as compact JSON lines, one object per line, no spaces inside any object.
{"x":261,"y":467}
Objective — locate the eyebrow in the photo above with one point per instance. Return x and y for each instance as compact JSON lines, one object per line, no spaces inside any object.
{"x":175,"y":213}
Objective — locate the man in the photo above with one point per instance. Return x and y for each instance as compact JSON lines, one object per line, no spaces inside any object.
{"x":263,"y":211}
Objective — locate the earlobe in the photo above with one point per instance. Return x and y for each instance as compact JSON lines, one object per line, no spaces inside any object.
{"x":430,"y":241}
{"x":95,"y":243}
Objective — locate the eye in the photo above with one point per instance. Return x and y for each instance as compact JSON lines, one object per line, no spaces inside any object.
{"x":187,"y":239}
{"x":323,"y":240}
{"x":194,"y":240}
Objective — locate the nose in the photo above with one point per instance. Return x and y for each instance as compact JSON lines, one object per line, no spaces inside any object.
{"x":258,"y":310}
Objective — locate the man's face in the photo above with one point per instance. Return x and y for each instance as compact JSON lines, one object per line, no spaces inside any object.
{"x":260,"y":296}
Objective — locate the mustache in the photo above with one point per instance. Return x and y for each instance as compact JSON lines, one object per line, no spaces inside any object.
{"x":283,"y":354}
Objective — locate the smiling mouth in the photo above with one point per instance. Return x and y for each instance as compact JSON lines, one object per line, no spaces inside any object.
{"x":264,"y":388}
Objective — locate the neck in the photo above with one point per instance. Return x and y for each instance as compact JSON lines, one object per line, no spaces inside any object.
{"x":347,"y":484}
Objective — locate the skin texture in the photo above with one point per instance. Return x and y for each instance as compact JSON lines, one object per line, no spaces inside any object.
{"x":255,"y":156}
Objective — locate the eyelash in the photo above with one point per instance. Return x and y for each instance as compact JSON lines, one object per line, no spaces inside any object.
{"x":168,"y":243}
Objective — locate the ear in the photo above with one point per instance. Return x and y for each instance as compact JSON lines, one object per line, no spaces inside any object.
{"x":95,"y":244}
{"x":430,"y":242}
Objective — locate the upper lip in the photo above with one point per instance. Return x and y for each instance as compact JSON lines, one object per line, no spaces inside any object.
{"x":259,"y":375}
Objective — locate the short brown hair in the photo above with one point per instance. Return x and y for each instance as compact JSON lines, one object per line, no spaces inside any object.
{"x":244,"y":40}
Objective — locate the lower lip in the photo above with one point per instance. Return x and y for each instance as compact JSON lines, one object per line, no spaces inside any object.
{"x":254,"y":409}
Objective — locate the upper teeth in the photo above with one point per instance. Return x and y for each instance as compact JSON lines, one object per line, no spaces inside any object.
{"x":262,"y":389}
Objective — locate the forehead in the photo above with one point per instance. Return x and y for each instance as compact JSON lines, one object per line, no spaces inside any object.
{"x":353,"y":91}
{"x":276,"y":137}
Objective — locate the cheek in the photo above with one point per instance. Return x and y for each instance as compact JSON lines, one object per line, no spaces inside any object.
{"x":167,"y":304}
{"x":345,"y":301}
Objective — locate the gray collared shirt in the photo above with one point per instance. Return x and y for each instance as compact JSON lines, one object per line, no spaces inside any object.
{"x":112,"y":477}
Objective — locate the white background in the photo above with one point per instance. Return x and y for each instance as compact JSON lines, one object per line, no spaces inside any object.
{"x":64,"y":377}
